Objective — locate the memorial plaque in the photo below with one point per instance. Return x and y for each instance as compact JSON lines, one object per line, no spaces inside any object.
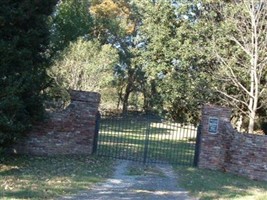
{"x":213,"y":125}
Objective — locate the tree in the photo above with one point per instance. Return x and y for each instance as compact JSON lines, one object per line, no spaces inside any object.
{"x":24,"y":60}
{"x":173,"y":61}
{"x":85,"y":65}
{"x":240,"y":46}
{"x":71,"y":19}
{"x":116,"y":24}
{"x":114,"y":20}
{"x":103,"y":22}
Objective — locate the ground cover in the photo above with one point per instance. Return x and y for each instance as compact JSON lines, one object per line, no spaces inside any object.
{"x":24,"y":177}
{"x":207,"y":185}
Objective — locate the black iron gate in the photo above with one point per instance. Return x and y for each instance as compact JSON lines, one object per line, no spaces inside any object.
{"x":146,"y":138}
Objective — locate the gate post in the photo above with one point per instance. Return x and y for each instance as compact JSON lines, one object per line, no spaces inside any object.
{"x":212,"y":150}
{"x":97,"y":123}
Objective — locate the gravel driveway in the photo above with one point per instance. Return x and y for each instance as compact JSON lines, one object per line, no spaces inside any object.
{"x":159,"y":182}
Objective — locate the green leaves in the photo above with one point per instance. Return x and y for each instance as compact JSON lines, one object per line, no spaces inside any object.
{"x":82,"y":64}
{"x":70,"y":20}
{"x":238,"y":45}
{"x":23,"y":46}
{"x":175,"y":58}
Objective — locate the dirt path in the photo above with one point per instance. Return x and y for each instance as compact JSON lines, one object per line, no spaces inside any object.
{"x":130,"y":181}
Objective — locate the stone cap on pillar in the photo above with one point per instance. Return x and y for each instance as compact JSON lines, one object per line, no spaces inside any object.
{"x":77,"y":95}
{"x":221,"y":112}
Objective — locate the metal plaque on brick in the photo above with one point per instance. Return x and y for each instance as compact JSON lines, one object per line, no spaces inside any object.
{"x":213,"y":125}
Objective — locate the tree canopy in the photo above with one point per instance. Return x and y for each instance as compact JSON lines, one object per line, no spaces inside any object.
{"x":174,"y":56}
{"x":238,"y":45}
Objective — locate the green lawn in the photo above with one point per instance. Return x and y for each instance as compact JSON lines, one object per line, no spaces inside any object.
{"x":126,"y":138}
{"x":24,"y":177}
{"x":207,"y":185}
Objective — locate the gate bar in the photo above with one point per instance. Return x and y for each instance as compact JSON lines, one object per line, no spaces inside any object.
{"x":197,"y":146}
{"x":146,"y":141}
{"x":97,"y":121}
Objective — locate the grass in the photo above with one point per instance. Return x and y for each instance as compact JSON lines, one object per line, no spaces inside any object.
{"x":126,"y":138}
{"x":24,"y":177}
{"x":207,"y":185}
{"x":143,"y":170}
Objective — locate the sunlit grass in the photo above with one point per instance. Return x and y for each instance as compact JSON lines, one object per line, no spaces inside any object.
{"x":23,"y":177}
{"x":207,"y":184}
{"x":126,"y":138}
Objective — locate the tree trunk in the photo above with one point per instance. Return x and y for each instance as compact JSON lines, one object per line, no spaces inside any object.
{"x":251,"y":101}
{"x":254,"y":79}
{"x":125,"y":102}
{"x":126,"y":98}
{"x":119,"y":99}
{"x":146,"y":104}
{"x":251,"y":122}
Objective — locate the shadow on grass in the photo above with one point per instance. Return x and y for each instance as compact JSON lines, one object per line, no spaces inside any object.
{"x":22,"y":194}
{"x":208,"y":185}
{"x":158,"y":151}
{"x":24,"y":177}
{"x":139,"y":137}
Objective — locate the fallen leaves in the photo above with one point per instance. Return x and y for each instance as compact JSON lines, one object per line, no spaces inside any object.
{"x":47,"y":177}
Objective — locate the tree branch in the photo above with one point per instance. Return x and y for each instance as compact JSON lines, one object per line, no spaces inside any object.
{"x":231,"y":97}
{"x":233,"y":76}
{"x":240,"y":45}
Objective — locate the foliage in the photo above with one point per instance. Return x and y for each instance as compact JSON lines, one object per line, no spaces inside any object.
{"x":116,"y":23}
{"x":23,"y":49}
{"x":172,"y":56}
{"x":24,"y":177}
{"x":174,"y":64}
{"x":239,"y":45}
{"x":82,"y":64}
{"x":102,"y":23}
{"x":264,"y":127}
{"x":207,"y":184}
{"x":71,"y":19}
{"x":113,"y":19}
{"x":197,"y":52}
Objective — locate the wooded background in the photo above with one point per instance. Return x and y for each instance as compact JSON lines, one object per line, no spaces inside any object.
{"x":166,"y":56}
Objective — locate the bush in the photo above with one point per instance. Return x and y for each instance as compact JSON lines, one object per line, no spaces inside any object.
{"x":264,"y":127}
{"x":24,"y":60}
{"x":13,"y":120}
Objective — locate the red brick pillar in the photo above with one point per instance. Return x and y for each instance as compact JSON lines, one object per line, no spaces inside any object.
{"x":211,"y":145}
{"x":82,"y":117}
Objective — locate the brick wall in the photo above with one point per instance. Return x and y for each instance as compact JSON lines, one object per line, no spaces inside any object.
{"x":70,"y":131}
{"x":228,"y":150}
{"x":246,"y":154}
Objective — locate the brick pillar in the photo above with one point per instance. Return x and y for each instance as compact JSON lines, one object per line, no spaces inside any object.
{"x":83,"y":112}
{"x":211,"y":145}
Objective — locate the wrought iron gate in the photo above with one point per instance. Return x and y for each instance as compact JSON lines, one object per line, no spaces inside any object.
{"x":146,"y":138}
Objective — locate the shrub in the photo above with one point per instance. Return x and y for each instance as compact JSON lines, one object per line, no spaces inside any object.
{"x":24,"y":60}
{"x":264,"y":127}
